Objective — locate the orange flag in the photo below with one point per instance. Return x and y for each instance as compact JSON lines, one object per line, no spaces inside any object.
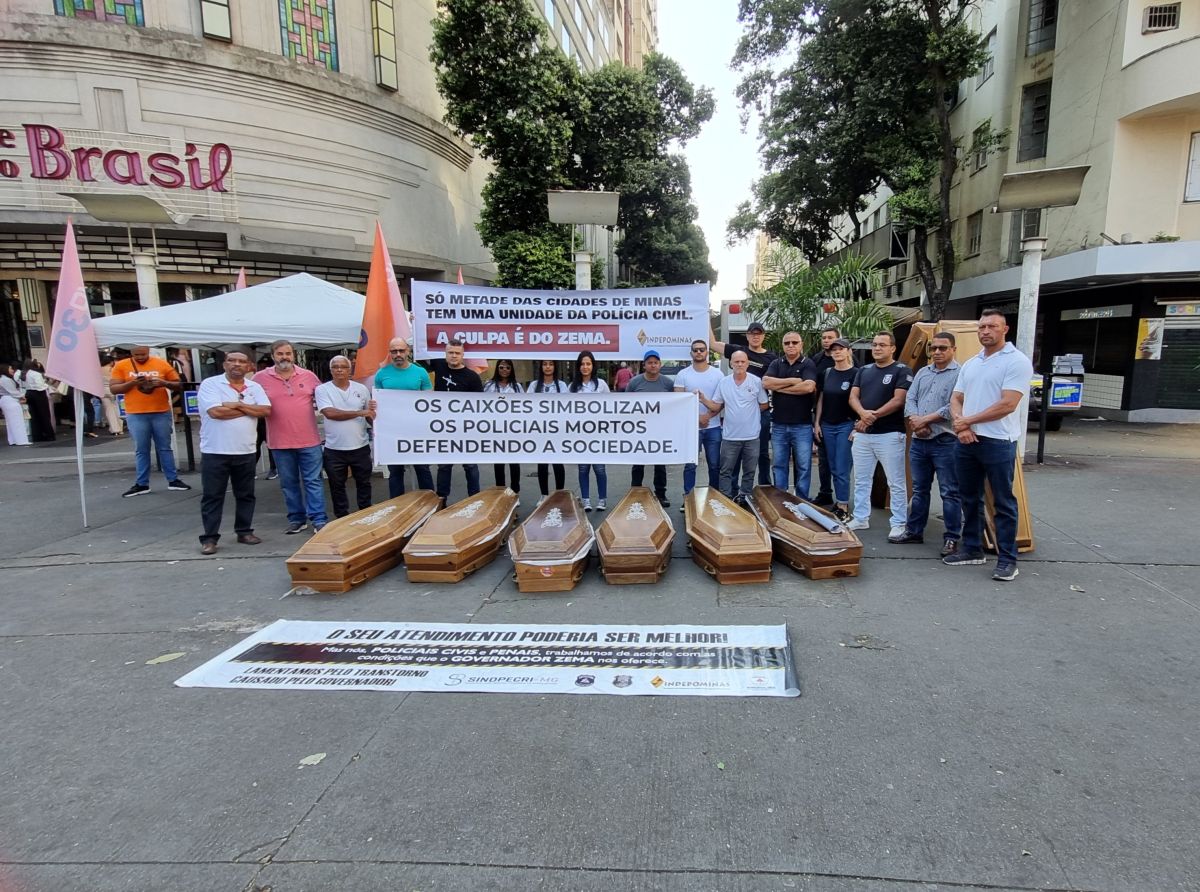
{"x":460,"y":281}
{"x":378,"y":325}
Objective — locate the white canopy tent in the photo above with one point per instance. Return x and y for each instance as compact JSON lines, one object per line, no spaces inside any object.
{"x":302,"y":309}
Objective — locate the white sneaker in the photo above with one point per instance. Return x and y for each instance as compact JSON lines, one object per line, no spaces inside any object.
{"x":897,"y":533}
{"x":859,"y":525}
{"x":587,"y":504}
{"x":601,"y":506}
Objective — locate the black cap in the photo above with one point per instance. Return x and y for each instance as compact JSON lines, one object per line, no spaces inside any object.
{"x":840,"y":342}
{"x":755,"y":326}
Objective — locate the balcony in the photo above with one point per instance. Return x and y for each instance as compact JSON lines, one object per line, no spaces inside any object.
{"x":888,"y":245}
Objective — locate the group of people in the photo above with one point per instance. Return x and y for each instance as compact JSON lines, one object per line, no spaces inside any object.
{"x":764,"y":419}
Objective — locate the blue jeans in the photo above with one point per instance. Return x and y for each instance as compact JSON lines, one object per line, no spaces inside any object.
{"x":156,"y":426}
{"x":710,"y":448}
{"x":926,"y":458}
{"x":396,"y":479}
{"x":601,"y":481}
{"x":300,"y":480}
{"x":993,"y":461}
{"x":887,"y":450}
{"x":836,"y":438}
{"x":443,"y":480}
{"x":788,"y":440}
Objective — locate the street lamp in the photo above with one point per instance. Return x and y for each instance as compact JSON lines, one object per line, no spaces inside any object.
{"x":576,"y":208}
{"x":1035,"y":190}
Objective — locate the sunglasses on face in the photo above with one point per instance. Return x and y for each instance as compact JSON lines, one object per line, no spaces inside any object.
{"x":941,"y":347}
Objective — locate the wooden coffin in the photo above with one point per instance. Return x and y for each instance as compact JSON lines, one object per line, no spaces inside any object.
{"x":460,"y":539}
{"x":550,"y":548}
{"x":635,"y":539}
{"x":726,"y":540}
{"x":360,"y":546}
{"x":803,"y":543}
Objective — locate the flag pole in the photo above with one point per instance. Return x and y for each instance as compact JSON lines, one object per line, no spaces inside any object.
{"x":79,"y":417}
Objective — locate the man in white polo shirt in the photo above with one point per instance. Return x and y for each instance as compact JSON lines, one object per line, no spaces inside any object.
{"x":230,"y":406}
{"x":984,"y":410}
{"x":348,"y":410}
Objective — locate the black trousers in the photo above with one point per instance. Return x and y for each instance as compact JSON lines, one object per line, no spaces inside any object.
{"x":216,"y":474}
{"x":41,"y":424}
{"x":560,"y":477}
{"x":514,"y":476}
{"x":338,"y":464}
{"x":826,"y":479}
{"x":638,"y":473}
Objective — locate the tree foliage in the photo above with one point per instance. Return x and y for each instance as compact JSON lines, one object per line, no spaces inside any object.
{"x":545,"y":125}
{"x":853,"y":94}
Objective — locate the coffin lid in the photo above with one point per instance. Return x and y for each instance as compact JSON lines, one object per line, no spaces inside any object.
{"x":556,"y":532}
{"x":353,"y":534}
{"x":771,"y":506}
{"x":723,"y":525}
{"x":475,"y":519}
{"x":637,"y":525}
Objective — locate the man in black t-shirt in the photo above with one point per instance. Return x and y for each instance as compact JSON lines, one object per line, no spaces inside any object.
{"x":792,"y":381}
{"x":760,"y":358}
{"x":453,"y":376}
{"x":877,"y":396}
{"x":823,"y":361}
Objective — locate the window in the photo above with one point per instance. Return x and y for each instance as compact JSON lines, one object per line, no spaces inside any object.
{"x":989,"y":66}
{"x":1043,"y":23}
{"x":308,"y":32}
{"x":1025,"y":224}
{"x":578,"y":16}
{"x":875,"y":218}
{"x":1191,"y":191}
{"x":974,"y":233}
{"x":383,"y":41}
{"x":591,"y":42}
{"x":1035,"y":121}
{"x":979,"y":150}
{"x":126,"y":12}
{"x":214,"y":19}
{"x":566,"y":40}
{"x":1160,"y":17}
{"x":548,"y":8}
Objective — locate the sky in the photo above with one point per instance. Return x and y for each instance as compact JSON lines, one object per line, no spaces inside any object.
{"x":701,"y":37}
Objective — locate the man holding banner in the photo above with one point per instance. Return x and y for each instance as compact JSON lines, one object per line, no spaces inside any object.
{"x":403,"y":374}
{"x":453,"y":376}
{"x":651,"y":381}
{"x":742,"y":400}
{"x":700,"y":377}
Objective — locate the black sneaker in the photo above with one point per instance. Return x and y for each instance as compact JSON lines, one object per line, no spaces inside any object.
{"x":178,"y":485}
{"x":824,"y":500}
{"x":843,"y":515}
{"x":272,"y":474}
{"x":907,"y":539}
{"x":136,"y":490}
{"x":949,"y":546}
{"x":1005,"y":572}
{"x":662,"y":500}
{"x":293,"y":528}
{"x":963,"y":558}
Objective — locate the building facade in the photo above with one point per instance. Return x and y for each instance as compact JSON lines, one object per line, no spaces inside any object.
{"x":1115,"y":85}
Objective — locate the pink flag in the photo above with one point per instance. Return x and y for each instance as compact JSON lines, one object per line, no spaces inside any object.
{"x":241,"y":280}
{"x":460,"y":281}
{"x":476,"y":365}
{"x":73,"y":354}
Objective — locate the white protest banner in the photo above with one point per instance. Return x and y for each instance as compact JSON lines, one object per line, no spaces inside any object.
{"x":707,"y":661}
{"x":618,"y":324}
{"x":429,"y":427}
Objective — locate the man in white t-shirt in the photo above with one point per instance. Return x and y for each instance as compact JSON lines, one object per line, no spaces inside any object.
{"x":983,"y":409}
{"x":230,"y":406}
{"x":742,"y":400}
{"x":700,"y":377}
{"x":348,"y":410}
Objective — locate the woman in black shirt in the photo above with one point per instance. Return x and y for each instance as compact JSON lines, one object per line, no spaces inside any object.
{"x":835,"y":421}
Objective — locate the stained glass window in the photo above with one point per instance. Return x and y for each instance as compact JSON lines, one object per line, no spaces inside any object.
{"x":128,"y":12}
{"x":308,"y":31}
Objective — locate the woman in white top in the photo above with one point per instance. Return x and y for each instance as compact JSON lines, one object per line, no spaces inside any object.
{"x":11,"y":397}
{"x":585,"y":381}
{"x":37,"y":398}
{"x":505,"y":381}
{"x":549,"y":382}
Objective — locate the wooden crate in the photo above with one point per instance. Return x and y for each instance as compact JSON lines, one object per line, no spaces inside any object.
{"x":727,"y":541}
{"x":460,"y":539}
{"x":550,"y":549}
{"x":801,"y":542}
{"x":635,"y":539}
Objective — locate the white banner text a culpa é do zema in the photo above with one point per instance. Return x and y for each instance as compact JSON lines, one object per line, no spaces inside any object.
{"x":506,"y":322}
{"x":432,"y":427}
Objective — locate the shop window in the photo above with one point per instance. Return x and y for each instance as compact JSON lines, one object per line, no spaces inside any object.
{"x":1043,"y":24}
{"x":214,"y":20}
{"x":309,"y":32}
{"x":1035,"y":121}
{"x":989,"y":66}
{"x":126,"y":12}
{"x":383,"y":39}
{"x":1160,"y":17}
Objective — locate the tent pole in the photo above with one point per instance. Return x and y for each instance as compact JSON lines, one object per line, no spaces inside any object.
{"x":79,"y":417}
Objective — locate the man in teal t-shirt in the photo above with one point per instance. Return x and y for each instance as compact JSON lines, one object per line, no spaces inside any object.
{"x":403,"y":374}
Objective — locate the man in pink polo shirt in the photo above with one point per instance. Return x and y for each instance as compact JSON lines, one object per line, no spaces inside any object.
{"x":292,"y":437}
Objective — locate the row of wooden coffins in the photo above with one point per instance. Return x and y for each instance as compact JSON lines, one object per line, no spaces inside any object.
{"x":551,"y":548}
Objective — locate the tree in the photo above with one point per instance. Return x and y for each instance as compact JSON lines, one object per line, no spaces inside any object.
{"x":864,"y":101}
{"x":545,"y":125}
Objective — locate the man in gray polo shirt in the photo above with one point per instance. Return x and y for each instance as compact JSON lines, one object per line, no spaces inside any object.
{"x":927,"y":416}
{"x":984,"y":409}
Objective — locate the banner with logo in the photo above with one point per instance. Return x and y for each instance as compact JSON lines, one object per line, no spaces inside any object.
{"x":427,"y":427}
{"x":505,"y":322}
{"x":706,"y":661}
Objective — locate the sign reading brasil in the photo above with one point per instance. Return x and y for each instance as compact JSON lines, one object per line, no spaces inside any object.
{"x":425,"y":427}
{"x":505,"y":322}
{"x":708,"y":661}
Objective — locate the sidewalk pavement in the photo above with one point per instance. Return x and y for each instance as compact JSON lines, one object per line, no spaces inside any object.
{"x":953,"y":732}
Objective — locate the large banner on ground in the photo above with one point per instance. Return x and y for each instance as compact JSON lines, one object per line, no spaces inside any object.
{"x":424,"y":427}
{"x":506,"y":322}
{"x":709,"y":661}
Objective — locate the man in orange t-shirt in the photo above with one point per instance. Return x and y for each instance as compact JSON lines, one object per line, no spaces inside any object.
{"x":147,"y":383}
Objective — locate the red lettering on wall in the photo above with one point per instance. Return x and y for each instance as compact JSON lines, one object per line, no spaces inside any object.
{"x":131,"y":175}
{"x":83,"y":163}
{"x":166,"y":170}
{"x":45,"y":147}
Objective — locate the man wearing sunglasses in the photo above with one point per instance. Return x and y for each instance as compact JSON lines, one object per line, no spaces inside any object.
{"x":702,"y":378}
{"x":404,"y":374}
{"x":792,"y":381}
{"x":927,"y":415}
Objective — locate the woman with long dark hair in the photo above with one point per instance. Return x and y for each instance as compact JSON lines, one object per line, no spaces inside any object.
{"x":548,"y":381}
{"x":585,"y":381}
{"x":37,"y":398}
{"x":11,"y":397}
{"x":503,"y":381}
